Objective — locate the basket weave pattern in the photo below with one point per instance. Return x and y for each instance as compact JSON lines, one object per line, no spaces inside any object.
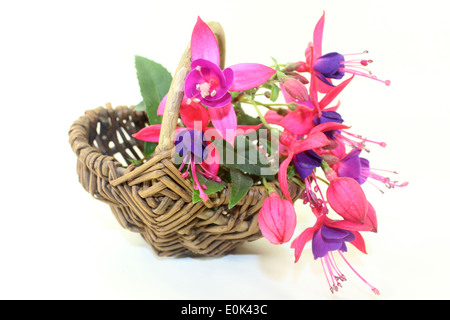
{"x":153,"y":198}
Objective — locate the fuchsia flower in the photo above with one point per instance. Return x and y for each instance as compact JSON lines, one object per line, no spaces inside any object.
{"x":333,"y":65}
{"x":277,"y":219}
{"x":209,"y":85}
{"x":193,"y":142}
{"x":328,"y":236}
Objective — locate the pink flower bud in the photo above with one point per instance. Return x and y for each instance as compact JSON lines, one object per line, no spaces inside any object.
{"x":347,"y":198}
{"x":277,"y":219}
{"x":296,"y":89}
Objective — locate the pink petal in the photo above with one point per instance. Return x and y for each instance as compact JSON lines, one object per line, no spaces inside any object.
{"x":273,"y":117}
{"x":317,"y":38}
{"x":282,"y":176}
{"x":328,"y":126}
{"x":371,"y":219}
{"x":194,"y":115}
{"x":244,"y":129}
{"x":149,"y":134}
{"x":299,"y":243}
{"x":162,"y":106}
{"x":332,"y":94}
{"x":359,"y":242}
{"x":347,"y":199}
{"x":277,"y":219}
{"x":204,"y":44}
{"x":250,"y":75}
{"x":212,"y":162}
{"x":300,"y":121}
{"x":348,"y":225}
{"x":225,"y":121}
{"x":313,"y":141}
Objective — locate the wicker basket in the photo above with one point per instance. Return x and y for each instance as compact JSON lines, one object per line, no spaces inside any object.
{"x":152,"y":198}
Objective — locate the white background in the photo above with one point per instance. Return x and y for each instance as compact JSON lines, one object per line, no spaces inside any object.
{"x":60,"y":58}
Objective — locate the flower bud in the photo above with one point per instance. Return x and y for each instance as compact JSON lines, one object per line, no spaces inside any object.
{"x":347,"y":199}
{"x":277,"y":219}
{"x":292,"y":66}
{"x":296,"y":89}
{"x":299,"y":77}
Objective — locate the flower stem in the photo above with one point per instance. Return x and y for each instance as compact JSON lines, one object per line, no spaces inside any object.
{"x":253,"y":102}
{"x":269,"y":188}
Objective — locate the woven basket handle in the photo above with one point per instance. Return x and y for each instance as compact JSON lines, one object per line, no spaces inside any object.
{"x":176,"y":91}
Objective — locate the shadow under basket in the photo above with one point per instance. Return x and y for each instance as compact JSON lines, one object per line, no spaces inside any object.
{"x":152,"y":198}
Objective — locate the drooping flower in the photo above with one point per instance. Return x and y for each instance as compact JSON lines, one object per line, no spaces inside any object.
{"x":329,"y":236}
{"x":333,"y":65}
{"x":277,"y":219}
{"x":209,"y":85}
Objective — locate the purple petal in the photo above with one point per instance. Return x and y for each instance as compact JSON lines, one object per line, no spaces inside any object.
{"x":191,"y":141}
{"x":365,"y":170}
{"x":210,"y":75}
{"x":321,"y":247}
{"x":204,"y":44}
{"x":350,"y":165}
{"x":331,"y":234}
{"x":328,"y":65}
{"x":328,"y":239}
{"x":250,"y":75}
{"x":305,"y":162}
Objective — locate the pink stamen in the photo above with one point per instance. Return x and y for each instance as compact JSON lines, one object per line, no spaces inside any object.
{"x":332,"y":276}
{"x":317,"y":189}
{"x":209,"y":175}
{"x":326,"y":275}
{"x":367,"y":75}
{"x":387,"y":181}
{"x":183,"y":163}
{"x":355,"y":65}
{"x":356,"y":54}
{"x":382,"y":144}
{"x":336,"y":269}
{"x":351,"y":143}
{"x":375,"y":290}
{"x":197,"y":184}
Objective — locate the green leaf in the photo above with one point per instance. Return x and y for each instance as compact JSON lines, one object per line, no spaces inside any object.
{"x":140,"y":106}
{"x":211,"y":187}
{"x":274,"y":93}
{"x":149,"y":148}
{"x":291,"y":172}
{"x":244,"y":157}
{"x":154,"y":82}
{"x":240,"y":184}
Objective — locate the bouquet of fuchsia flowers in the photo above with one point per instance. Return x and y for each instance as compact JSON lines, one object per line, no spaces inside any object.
{"x":304,"y":132}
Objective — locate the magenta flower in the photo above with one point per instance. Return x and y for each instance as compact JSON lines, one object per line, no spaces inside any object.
{"x":277,"y":219}
{"x":333,"y":65}
{"x":193,"y":142}
{"x":329,"y":236}
{"x":209,"y":85}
